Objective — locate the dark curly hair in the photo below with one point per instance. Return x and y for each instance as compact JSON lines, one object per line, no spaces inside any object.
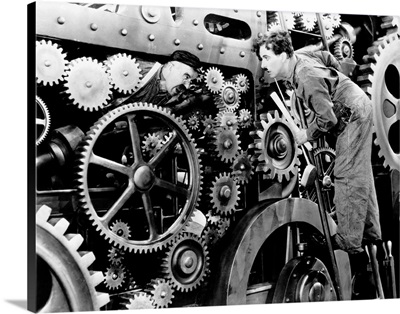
{"x":280,"y":41}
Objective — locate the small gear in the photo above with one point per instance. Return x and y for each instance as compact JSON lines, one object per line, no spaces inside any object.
{"x":115,"y":277}
{"x":343,"y":49}
{"x":212,"y":219}
{"x":229,"y":97}
{"x":116,"y":255}
{"x":193,"y":122}
{"x":288,"y":18}
{"x":214,"y":80}
{"x":224,"y":194}
{"x":223,"y":226}
{"x":273,"y":27}
{"x":72,"y":282}
{"x":327,"y":24}
{"x":227,"y":144}
{"x":152,"y":144}
{"x":186,"y":262}
{"x":335,"y":20}
{"x":87,"y":84}
{"x":242,"y":83}
{"x":227,"y":119}
{"x":244,"y":118}
{"x":124,"y":73}
{"x":209,"y":124}
{"x":307,"y":21}
{"x":242,"y":168}
{"x":162,"y":292}
{"x":278,"y":151}
{"x":121,"y":229}
{"x":140,"y":300}
{"x":43,"y":120}
{"x":51,"y":64}
{"x":211,"y":235}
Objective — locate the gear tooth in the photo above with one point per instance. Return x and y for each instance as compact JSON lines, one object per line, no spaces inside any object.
{"x":102,"y":299}
{"x":43,"y":214}
{"x":75,"y":240}
{"x":87,"y":258}
{"x":96,"y":277}
{"x":60,"y":225}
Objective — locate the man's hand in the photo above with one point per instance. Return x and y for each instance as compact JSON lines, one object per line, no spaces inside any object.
{"x":300,"y":136}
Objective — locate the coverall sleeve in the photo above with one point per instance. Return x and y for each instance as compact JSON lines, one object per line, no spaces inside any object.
{"x":315,"y":88}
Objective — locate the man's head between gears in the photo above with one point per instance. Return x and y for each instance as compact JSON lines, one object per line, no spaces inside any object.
{"x":179,"y":71}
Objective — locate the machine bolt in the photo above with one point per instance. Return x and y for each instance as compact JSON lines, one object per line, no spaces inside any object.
{"x":236,"y":11}
{"x":260,"y":35}
{"x":152,"y":37}
{"x":61,"y":20}
{"x":188,"y":262}
{"x":225,"y":192}
{"x":163,"y":294}
{"x":242,"y":167}
{"x":125,"y":73}
{"x":124,"y":31}
{"x":195,"y":22}
{"x":242,"y":54}
{"x":114,"y":276}
{"x":214,"y":80}
{"x":200,"y":46}
{"x":177,"y":42}
{"x":93,"y":27}
{"x":228,"y":144}
{"x":47,"y":63}
{"x":88,"y":84}
{"x":259,"y":13}
{"x":222,"y":51}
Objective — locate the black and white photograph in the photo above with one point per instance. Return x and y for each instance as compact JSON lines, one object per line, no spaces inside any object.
{"x":186,"y":157}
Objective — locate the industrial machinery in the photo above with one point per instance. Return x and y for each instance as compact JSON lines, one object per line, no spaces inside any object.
{"x":141,"y":206}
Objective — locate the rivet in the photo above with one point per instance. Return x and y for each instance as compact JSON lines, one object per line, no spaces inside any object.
{"x":125,"y":73}
{"x":260,"y":34}
{"x":88,"y":84}
{"x":195,"y":22}
{"x":222,"y":51}
{"x":152,"y":37}
{"x":47,"y":63}
{"x":200,"y":46}
{"x":242,"y":167}
{"x":236,"y":11}
{"x":242,"y":54}
{"x":61,"y":20}
{"x":94,"y":27}
{"x":124,"y":31}
{"x":259,"y":13}
{"x":177,"y":42}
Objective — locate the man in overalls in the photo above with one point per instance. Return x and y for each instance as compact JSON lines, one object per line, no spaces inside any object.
{"x":343,"y":109}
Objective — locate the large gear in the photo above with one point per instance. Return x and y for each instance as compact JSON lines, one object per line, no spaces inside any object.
{"x":65,"y":283}
{"x":214,"y":80}
{"x":278,"y":151}
{"x":224,"y":194}
{"x":227,"y":144}
{"x":115,"y":277}
{"x":50,"y":63}
{"x":142,"y":179}
{"x":385,"y":95}
{"x":140,"y":300}
{"x":242,"y":168}
{"x":242,"y":83}
{"x":186,"y":262}
{"x":343,"y":49}
{"x":124,"y":73}
{"x":229,"y":97}
{"x":162,"y":292}
{"x":87,"y":84}
{"x":43,"y":120}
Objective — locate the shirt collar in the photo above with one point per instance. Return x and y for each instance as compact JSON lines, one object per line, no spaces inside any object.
{"x":292,"y":66}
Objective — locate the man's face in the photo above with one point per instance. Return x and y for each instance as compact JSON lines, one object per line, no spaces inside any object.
{"x":270,"y":61}
{"x":178,"y":74}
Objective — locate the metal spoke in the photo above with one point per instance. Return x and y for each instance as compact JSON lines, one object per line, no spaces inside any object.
{"x":148,"y":207}
{"x":40,"y":121}
{"x":172,"y":187}
{"x":109,"y":164}
{"x":137,"y":152}
{"x":167,"y":148}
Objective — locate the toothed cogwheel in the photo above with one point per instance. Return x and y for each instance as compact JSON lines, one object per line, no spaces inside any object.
{"x":277,"y":148}
{"x":343,"y":48}
{"x":145,"y":184}
{"x":307,"y":21}
{"x":193,"y":122}
{"x":273,"y":27}
{"x":140,"y":300}
{"x":152,"y":144}
{"x":124,"y":73}
{"x":289,"y":19}
{"x":227,"y":144}
{"x":272,"y":16}
{"x":116,"y":255}
{"x":115,"y":277}
{"x":224,"y":194}
{"x":391,"y":24}
{"x":211,"y":234}
{"x":223,"y":226}
{"x":201,"y":75}
{"x":73,"y":286}
{"x":162,"y":292}
{"x":242,"y":168}
{"x":229,"y":97}
{"x":51,"y":64}
{"x":328,"y":26}
{"x":214,"y":80}
{"x":121,"y":229}
{"x":335,"y":19}
{"x":186,"y":262}
{"x":43,"y":120}
{"x":242,"y":83}
{"x":87,"y":84}
{"x":244,"y":118}
{"x":212,"y":219}
{"x":227,"y":119}
{"x":209,"y":124}
{"x":385,"y":97}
